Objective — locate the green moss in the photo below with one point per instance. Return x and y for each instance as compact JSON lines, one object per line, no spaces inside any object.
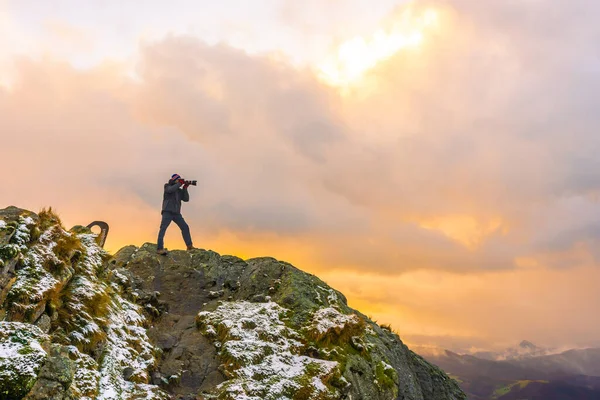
{"x":9,"y":228}
{"x":306,"y":389}
{"x":386,"y":376}
{"x":8,"y":251}
{"x":80,"y":229}
{"x":16,"y":388}
{"x":35,"y":233}
{"x":12,"y":224}
{"x":296,"y":292}
{"x":304,"y":393}
{"x":313,"y":369}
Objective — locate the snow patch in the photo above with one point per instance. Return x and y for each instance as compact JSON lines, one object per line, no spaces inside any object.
{"x":21,"y":354}
{"x":127,"y":344}
{"x":332,"y":297}
{"x":387,"y":367}
{"x":263,"y":353}
{"x":86,"y":376}
{"x":22,"y":235}
{"x":327,"y":319}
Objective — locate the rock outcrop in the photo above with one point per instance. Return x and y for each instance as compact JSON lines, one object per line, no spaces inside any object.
{"x":77,"y":323}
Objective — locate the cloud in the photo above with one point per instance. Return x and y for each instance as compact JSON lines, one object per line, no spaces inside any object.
{"x":440,"y":160}
{"x":483,"y":120}
{"x":499,"y":308}
{"x":470,"y":160}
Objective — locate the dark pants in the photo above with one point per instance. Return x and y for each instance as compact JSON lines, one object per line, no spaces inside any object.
{"x":167,"y":217}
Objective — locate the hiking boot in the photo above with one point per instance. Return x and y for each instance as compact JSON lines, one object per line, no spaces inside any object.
{"x":190,"y":248}
{"x":162,"y":252}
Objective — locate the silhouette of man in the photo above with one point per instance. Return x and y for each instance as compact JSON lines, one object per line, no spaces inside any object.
{"x":171,"y":211}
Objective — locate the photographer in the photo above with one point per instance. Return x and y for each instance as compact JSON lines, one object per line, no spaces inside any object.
{"x":171,"y":211}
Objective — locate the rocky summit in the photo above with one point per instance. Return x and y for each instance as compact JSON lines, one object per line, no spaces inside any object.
{"x":78,"y":323}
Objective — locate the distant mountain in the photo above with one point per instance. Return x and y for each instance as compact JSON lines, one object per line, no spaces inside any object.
{"x":523,"y":350}
{"x":577,"y":362}
{"x":482,"y":379}
{"x":574,"y":374}
{"x":469,"y":366}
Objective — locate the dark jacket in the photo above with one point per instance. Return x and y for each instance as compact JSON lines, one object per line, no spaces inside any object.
{"x":173,"y":197}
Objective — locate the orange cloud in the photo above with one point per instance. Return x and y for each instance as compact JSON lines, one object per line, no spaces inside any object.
{"x":465,"y":229}
{"x":453,"y":197}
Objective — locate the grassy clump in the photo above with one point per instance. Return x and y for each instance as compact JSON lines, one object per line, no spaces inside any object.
{"x":67,"y":246}
{"x":48,"y":218}
{"x":82,"y":308}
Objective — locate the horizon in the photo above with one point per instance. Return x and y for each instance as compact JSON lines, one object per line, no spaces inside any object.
{"x":434,"y":161}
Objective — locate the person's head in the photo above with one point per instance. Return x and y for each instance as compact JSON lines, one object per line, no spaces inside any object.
{"x":175,"y":177}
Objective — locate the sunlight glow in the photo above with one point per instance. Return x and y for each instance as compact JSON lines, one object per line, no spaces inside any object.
{"x":465,"y":229}
{"x":358,"y":55}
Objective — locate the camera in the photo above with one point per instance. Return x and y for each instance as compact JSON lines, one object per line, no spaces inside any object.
{"x":193,"y":183}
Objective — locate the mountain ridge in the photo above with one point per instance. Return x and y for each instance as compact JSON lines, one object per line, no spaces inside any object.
{"x":572,"y":374}
{"x":192,"y":325}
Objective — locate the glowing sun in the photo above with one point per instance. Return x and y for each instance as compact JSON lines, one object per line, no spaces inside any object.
{"x":356,"y":56}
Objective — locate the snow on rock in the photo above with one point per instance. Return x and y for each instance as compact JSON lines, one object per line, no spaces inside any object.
{"x":127,"y":344}
{"x":93,"y":252}
{"x":330,"y":319}
{"x":92,"y":313}
{"x":261,"y":353}
{"x":22,"y":235}
{"x":387,"y":367}
{"x":2,"y":224}
{"x":86,"y":375}
{"x":331,"y":295}
{"x":21,"y":357}
{"x":27,"y":221}
{"x":33,"y":280}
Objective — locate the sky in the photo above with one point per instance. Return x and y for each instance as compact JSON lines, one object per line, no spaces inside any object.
{"x":436,"y":161}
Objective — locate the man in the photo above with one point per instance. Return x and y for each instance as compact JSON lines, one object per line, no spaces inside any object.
{"x":171,"y":211}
